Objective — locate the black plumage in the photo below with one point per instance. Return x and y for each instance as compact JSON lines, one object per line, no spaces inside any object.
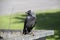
{"x":29,"y":22}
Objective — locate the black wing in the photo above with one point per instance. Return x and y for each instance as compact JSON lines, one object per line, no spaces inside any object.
{"x":30,"y":22}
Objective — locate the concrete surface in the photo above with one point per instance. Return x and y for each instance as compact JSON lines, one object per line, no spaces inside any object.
{"x":17,"y":35}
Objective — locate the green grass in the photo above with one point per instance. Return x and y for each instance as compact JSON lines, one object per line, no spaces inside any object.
{"x":11,"y":21}
{"x":16,"y":21}
{"x":46,"y":20}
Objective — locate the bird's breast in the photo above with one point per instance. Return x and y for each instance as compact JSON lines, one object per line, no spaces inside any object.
{"x":28,"y":17}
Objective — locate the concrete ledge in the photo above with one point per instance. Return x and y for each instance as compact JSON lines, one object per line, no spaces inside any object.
{"x":17,"y":35}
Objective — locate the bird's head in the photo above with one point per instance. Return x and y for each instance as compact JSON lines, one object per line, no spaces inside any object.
{"x":28,"y":12}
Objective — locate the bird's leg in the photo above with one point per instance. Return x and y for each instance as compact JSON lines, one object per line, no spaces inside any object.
{"x":31,"y":33}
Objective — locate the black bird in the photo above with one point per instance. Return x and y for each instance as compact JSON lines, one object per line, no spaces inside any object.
{"x":29,"y":22}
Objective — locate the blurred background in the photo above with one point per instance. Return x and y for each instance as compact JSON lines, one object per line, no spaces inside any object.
{"x":6,"y":6}
{"x":12,"y":15}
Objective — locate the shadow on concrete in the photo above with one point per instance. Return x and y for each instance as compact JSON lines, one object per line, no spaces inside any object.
{"x":41,"y":38}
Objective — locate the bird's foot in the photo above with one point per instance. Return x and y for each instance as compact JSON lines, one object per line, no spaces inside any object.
{"x":31,"y":33}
